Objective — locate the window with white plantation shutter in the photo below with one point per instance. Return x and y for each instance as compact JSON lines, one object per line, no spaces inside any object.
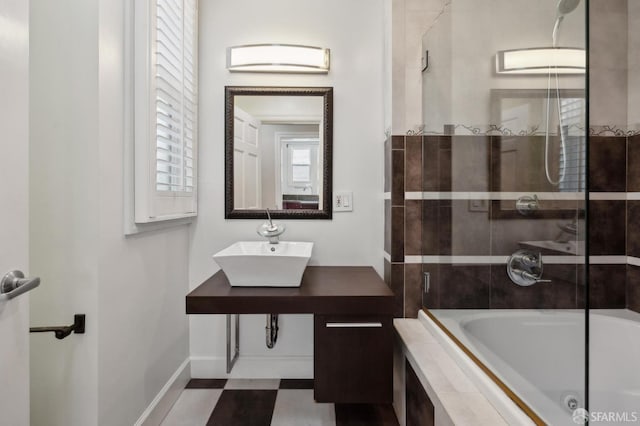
{"x":573,"y":111}
{"x":166,"y":98}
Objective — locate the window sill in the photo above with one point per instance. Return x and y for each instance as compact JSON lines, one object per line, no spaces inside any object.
{"x":131,"y":228}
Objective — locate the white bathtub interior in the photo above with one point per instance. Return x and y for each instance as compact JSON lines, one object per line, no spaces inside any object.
{"x":539,"y":355}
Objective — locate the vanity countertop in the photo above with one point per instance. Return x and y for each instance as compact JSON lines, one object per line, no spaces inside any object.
{"x":352,"y":290}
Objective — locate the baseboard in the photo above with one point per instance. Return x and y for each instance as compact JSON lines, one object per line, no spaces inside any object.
{"x":170,"y":392}
{"x":291,"y":367}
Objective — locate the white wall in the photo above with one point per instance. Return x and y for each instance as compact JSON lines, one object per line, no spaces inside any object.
{"x":353,"y":32}
{"x":143,"y":336}
{"x":409,"y":20}
{"x":615,"y":63}
{"x":387,"y":74}
{"x":268,"y":107}
{"x":132,"y":289}
{"x":608,"y":64}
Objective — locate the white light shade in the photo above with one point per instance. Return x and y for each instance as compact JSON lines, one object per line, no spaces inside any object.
{"x":283,"y":58}
{"x":564,"y":60}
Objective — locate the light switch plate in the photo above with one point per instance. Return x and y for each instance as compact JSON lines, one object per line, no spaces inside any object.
{"x":343,"y":201}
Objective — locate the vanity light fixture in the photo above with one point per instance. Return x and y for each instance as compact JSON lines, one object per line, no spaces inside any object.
{"x":279,"y":58}
{"x":538,"y":60}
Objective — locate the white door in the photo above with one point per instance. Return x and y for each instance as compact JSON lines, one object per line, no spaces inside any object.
{"x":14,"y":212}
{"x":247,"y":161}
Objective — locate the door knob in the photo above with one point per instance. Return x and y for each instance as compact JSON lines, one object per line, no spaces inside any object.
{"x":14,"y":284}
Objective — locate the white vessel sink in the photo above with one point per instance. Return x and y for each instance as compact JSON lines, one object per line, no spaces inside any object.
{"x":260,"y":264}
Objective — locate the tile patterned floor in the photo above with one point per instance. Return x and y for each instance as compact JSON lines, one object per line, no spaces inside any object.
{"x":238,"y":402}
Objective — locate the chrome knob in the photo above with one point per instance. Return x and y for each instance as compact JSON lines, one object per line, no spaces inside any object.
{"x":527,"y":205}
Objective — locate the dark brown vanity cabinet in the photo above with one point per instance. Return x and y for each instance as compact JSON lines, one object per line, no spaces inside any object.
{"x":353,"y":359}
{"x":353,"y":336}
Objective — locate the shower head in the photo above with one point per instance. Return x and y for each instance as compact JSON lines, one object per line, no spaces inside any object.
{"x":567,"y":6}
{"x":564,"y":7}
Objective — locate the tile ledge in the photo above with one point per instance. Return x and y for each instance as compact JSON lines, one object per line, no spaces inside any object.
{"x":492,"y":406}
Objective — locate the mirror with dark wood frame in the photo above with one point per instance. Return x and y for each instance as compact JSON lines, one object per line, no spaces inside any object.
{"x":278,"y":152}
{"x":518,"y":151}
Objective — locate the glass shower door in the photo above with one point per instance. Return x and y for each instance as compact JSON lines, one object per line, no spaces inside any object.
{"x":503,"y":194}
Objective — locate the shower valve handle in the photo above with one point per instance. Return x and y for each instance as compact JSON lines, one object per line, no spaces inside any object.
{"x":525,"y":268}
{"x":530,"y":277}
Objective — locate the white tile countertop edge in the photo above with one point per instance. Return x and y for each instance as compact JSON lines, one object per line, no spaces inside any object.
{"x":458,"y":388}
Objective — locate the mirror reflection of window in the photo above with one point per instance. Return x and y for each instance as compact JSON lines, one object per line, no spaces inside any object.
{"x":572,"y":110}
{"x":300,"y":172}
{"x":300,"y":165}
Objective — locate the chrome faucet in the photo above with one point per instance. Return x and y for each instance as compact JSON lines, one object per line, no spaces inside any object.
{"x":271,"y":226}
{"x":270,"y":230}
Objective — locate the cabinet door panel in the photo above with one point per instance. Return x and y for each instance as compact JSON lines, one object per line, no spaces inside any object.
{"x":420,"y":411}
{"x":353,"y":359}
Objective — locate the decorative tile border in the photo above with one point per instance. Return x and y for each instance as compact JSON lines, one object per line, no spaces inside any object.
{"x":613,"y":130}
{"x":535,"y":130}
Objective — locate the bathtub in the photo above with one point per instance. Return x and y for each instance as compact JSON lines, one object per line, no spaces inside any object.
{"x":539,"y":355}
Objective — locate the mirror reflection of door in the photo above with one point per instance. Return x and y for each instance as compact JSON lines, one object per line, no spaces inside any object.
{"x":247,"y":160}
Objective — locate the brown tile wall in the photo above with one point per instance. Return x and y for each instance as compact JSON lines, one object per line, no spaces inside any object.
{"x":414,"y":227}
{"x":412,"y":289}
{"x":633,"y":223}
{"x":394,"y":277}
{"x":633,"y":164}
{"x":387,"y":165}
{"x":607,"y":286}
{"x":633,"y":228}
{"x":633,"y":287}
{"x":413,"y":161}
{"x":488,"y":286}
{"x":607,"y":161}
{"x":394,"y":220}
{"x":607,"y":234}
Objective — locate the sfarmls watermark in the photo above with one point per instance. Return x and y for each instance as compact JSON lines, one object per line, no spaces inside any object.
{"x":581,"y":416}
